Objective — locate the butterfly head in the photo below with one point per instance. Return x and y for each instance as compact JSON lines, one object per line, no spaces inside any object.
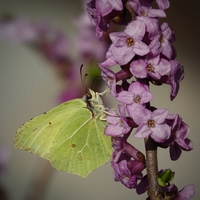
{"x":94,"y":103}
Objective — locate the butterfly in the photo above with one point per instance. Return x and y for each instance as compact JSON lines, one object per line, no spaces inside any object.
{"x":71,"y":135}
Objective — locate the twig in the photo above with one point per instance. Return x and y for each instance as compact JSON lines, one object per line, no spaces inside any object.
{"x":154,"y":190}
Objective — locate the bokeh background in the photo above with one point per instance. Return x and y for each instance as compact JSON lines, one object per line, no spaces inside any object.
{"x":28,"y":87}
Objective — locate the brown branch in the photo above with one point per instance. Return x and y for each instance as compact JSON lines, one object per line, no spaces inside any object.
{"x":154,"y":190}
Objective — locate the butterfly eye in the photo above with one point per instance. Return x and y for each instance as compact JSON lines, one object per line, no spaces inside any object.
{"x":89,"y":96}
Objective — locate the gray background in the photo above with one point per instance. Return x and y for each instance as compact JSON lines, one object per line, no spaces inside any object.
{"x":29,"y":87}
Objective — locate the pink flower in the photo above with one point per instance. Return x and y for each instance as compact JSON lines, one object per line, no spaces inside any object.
{"x":117,"y":123}
{"x":150,"y":123}
{"x":163,"y":42}
{"x":153,"y":67}
{"x":129,"y":43}
{"x":137,"y":93}
{"x":175,"y":77}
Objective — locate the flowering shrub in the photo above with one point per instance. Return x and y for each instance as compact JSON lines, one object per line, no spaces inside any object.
{"x":144,"y":51}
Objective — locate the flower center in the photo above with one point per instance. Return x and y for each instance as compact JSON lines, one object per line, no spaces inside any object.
{"x":137,"y":99}
{"x":126,"y":178}
{"x":121,"y":123}
{"x":143,"y":13}
{"x":150,"y":68}
{"x":130,"y":41}
{"x":110,"y":79}
{"x":161,"y":39}
{"x":151,"y":123}
{"x":117,"y":19}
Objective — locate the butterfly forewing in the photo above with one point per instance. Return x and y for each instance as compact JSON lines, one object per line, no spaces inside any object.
{"x":38,"y":134}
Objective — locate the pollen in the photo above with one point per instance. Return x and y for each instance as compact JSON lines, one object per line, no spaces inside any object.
{"x":137,"y":99}
{"x":121,"y":123}
{"x":143,"y":13}
{"x":130,"y":41}
{"x":150,"y":68}
{"x":161,"y":39}
{"x":151,"y":123}
{"x":126,"y":178}
{"x":117,"y":19}
{"x":111,"y":79}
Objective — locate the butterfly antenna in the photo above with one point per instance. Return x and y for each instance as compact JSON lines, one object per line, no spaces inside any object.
{"x":82,"y":78}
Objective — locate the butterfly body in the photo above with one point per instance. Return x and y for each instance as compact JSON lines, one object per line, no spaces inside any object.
{"x":71,"y":136}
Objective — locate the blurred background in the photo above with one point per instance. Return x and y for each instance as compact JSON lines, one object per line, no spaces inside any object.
{"x":30,"y":84}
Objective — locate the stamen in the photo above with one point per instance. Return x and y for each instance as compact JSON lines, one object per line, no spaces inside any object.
{"x":121,"y":123}
{"x":130,"y":41}
{"x":126,"y":178}
{"x":161,"y":39}
{"x":137,"y":99}
{"x":116,"y":19}
{"x":150,"y":68}
{"x":110,"y":79}
{"x":143,"y":13}
{"x":151,"y":123}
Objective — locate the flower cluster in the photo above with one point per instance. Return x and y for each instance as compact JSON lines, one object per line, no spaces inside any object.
{"x":145,"y":54}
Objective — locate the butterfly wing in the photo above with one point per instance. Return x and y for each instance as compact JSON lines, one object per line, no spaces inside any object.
{"x":84,"y":151}
{"x":68,"y":136}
